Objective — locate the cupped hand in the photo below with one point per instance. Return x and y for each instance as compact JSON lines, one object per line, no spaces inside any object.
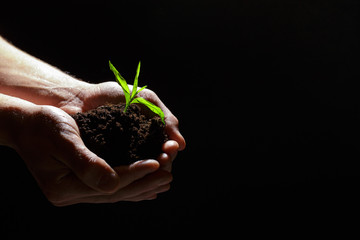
{"x":48,"y":140}
{"x":91,"y":96}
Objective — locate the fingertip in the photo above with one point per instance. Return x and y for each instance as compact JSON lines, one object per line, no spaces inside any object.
{"x":174,"y":134}
{"x":163,"y":157}
{"x":135,"y":171}
{"x":109,"y":182}
{"x":182,"y":145}
{"x":149,"y":164}
{"x":170,"y":146}
{"x":92,"y":170}
{"x":179,"y":139}
{"x":165,"y":161}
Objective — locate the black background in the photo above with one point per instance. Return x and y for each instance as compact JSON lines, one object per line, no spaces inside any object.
{"x":267,"y":97}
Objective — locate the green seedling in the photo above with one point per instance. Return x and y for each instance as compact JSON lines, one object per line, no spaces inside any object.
{"x":131,"y":97}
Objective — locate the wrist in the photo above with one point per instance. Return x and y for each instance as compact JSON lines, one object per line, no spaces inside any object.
{"x":54,"y":89}
{"x":26,"y":77}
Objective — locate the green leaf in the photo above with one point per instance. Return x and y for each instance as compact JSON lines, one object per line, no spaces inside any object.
{"x":151,"y":106}
{"x":122,"y":82}
{"x":134,"y":92}
{"x":141,"y":89}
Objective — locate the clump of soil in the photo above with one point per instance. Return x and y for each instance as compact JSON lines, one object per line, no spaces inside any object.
{"x":121,"y":138}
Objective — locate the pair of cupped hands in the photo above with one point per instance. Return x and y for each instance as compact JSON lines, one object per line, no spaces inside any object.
{"x":49,"y":142}
{"x":36,"y":100}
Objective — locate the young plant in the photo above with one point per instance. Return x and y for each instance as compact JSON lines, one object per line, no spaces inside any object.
{"x":131,"y":97}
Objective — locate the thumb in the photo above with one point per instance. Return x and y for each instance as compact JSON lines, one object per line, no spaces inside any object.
{"x":97,"y":174}
{"x":90,"y":169}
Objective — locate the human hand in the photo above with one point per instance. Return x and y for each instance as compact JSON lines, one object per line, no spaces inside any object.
{"x":90,"y":96}
{"x":48,"y":140}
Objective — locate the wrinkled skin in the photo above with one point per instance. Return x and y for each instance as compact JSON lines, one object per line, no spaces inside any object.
{"x":35,"y":102}
{"x":68,"y":173}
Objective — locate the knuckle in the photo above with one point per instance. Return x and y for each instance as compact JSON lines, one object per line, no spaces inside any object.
{"x":149,"y":91}
{"x":174,"y":120}
{"x":149,"y":94}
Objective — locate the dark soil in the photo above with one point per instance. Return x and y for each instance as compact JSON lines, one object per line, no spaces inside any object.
{"x":121,"y":138}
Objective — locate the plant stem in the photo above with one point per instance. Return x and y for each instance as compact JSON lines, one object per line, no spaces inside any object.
{"x":126,"y":107}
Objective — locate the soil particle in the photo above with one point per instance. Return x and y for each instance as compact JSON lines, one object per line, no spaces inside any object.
{"x":121,"y":138}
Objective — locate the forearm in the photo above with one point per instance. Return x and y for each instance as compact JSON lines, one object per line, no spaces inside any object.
{"x":29,"y":78}
{"x":12,"y":113}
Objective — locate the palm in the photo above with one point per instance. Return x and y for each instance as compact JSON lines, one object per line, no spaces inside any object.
{"x":110,"y":92}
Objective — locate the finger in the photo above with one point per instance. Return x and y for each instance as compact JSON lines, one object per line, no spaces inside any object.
{"x":171,"y":148}
{"x":172,"y":123}
{"x":151,"y":195}
{"x":146,"y":184}
{"x":135,"y":171}
{"x":172,"y":129}
{"x":125,"y":175}
{"x":106,"y":92}
{"x":68,"y":190}
{"x":88,"y":167}
{"x":140,"y":190}
{"x":68,"y":148}
{"x":56,"y":181}
{"x":71,"y":109}
{"x":165,"y":162}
